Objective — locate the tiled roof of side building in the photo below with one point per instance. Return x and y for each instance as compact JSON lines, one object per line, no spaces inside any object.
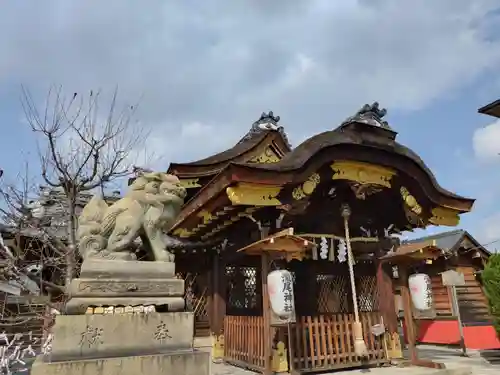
{"x":446,"y":241}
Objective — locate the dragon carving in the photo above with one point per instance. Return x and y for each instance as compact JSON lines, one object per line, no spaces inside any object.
{"x":148,"y":209}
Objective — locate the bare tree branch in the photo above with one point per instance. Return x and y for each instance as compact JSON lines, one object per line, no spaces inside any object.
{"x":81,"y":148}
{"x":25,"y":223}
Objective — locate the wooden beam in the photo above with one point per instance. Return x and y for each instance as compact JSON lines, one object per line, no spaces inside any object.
{"x":217,"y":309}
{"x":283,"y":241}
{"x":386,"y":297}
{"x":265,"y":260}
{"x":408,"y":315}
{"x":219,"y":297}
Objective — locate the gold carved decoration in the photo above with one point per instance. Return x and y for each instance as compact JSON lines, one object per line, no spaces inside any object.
{"x":206,"y":216}
{"x":307,"y":188}
{"x":279,"y":359}
{"x":444,"y":216}
{"x":227,"y":223}
{"x":393,"y":343}
{"x":267,"y":156}
{"x":182,"y":232}
{"x":410,"y":201}
{"x":299,"y":255}
{"x":362,"y":173}
{"x":361,"y":191}
{"x":249,"y":194}
{"x":217,"y":347}
{"x":190,"y":183}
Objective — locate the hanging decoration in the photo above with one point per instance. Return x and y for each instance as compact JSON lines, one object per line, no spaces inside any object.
{"x":324,"y":249}
{"x":314,"y":252}
{"x":359,"y":343}
{"x":323,"y":252}
{"x":341,"y":251}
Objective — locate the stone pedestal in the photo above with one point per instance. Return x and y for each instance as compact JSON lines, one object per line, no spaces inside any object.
{"x":113,"y":325}
{"x":105,"y":283}
{"x":134,"y":343}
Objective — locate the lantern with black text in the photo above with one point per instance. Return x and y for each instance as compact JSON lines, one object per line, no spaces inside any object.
{"x":421,"y":291}
{"x":280,"y":288}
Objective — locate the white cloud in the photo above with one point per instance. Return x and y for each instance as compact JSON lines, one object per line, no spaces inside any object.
{"x":196,"y":129}
{"x":486,"y":142}
{"x":311,"y":61}
{"x":195,"y":139}
{"x":488,"y":232}
{"x":206,"y":72}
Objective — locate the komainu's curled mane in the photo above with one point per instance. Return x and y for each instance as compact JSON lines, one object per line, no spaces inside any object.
{"x":149,"y":208}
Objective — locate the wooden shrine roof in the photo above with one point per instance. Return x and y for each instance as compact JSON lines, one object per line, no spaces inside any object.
{"x":265,"y":131}
{"x":413,"y":252}
{"x":368,"y":145}
{"x":363,"y":150}
{"x":265,"y":142}
{"x":445,"y":243}
{"x":491,"y":109}
{"x":454,"y":241}
{"x":284,"y":241}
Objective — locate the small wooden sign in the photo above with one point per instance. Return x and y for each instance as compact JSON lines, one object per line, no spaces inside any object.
{"x":453,"y":278}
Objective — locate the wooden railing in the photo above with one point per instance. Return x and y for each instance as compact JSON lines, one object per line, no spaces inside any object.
{"x":244,"y":341}
{"x":326,"y":342}
{"x":318,"y":343}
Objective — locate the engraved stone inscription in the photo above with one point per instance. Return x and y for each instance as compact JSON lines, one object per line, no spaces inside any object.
{"x":91,"y":337}
{"x":121,"y":287}
{"x":161,"y":332}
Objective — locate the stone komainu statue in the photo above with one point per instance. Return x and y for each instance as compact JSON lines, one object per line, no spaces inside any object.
{"x":149,"y":208}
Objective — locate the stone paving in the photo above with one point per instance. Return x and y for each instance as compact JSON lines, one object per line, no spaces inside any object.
{"x":486,"y":363}
{"x":481,"y":363}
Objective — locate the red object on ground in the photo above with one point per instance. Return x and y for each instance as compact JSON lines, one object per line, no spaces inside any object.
{"x":445,"y":332}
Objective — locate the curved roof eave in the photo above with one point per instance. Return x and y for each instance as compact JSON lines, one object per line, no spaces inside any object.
{"x":224,"y":156}
{"x":266,"y":125}
{"x":364,"y":137}
{"x":299,"y":157}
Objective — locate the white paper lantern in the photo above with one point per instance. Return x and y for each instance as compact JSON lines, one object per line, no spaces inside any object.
{"x":421,"y":291}
{"x":280,"y":288}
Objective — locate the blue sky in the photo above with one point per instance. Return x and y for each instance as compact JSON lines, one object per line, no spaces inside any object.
{"x":205,"y":72}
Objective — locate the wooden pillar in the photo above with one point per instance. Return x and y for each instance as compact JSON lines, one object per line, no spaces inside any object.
{"x":386,"y":297}
{"x":387,"y":307}
{"x":218,"y":307}
{"x":266,"y":314}
{"x":411,"y":328}
{"x":408,"y":313}
{"x":210,"y":297}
